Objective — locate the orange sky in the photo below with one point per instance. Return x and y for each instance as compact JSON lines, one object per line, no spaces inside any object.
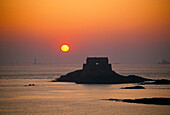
{"x":76,"y":22}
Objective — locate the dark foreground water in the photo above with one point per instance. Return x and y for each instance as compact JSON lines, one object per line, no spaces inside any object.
{"x":75,"y":99}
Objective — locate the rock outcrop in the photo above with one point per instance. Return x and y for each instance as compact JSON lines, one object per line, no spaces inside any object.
{"x":98,"y":71}
{"x":157,"y":82}
{"x":155,"y":101}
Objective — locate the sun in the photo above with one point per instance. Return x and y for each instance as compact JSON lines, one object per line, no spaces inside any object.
{"x":65,"y":48}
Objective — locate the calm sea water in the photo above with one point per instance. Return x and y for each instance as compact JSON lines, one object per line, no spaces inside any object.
{"x":75,"y":99}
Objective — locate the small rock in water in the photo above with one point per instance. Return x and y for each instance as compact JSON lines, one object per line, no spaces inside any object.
{"x":134,"y":87}
{"x":30,"y":85}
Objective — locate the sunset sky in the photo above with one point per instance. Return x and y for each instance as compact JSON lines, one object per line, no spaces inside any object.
{"x":127,"y":31}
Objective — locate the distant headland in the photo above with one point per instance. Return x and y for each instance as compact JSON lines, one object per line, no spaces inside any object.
{"x":97,"y":70}
{"x":164,"y":62}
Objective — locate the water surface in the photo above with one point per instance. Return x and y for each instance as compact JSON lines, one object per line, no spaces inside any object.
{"x":75,"y":99}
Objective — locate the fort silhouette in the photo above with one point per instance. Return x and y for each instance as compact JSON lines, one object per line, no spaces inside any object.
{"x":97,"y":70}
{"x":97,"y":64}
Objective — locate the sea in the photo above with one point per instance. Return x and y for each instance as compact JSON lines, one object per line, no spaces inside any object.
{"x":66,"y":98}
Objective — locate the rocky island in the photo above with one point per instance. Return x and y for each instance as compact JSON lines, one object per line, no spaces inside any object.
{"x":97,"y":70}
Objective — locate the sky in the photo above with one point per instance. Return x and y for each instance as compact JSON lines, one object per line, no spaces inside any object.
{"x":126,"y":31}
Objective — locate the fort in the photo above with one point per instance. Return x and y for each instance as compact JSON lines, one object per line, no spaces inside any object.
{"x":94,"y":64}
{"x":97,"y":70}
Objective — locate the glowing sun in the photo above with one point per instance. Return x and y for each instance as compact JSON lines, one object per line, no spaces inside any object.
{"x":65,"y":48}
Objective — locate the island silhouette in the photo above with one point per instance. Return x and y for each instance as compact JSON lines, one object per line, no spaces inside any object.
{"x":97,"y":70}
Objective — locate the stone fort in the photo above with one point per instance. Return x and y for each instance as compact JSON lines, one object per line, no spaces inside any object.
{"x":97,"y":64}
